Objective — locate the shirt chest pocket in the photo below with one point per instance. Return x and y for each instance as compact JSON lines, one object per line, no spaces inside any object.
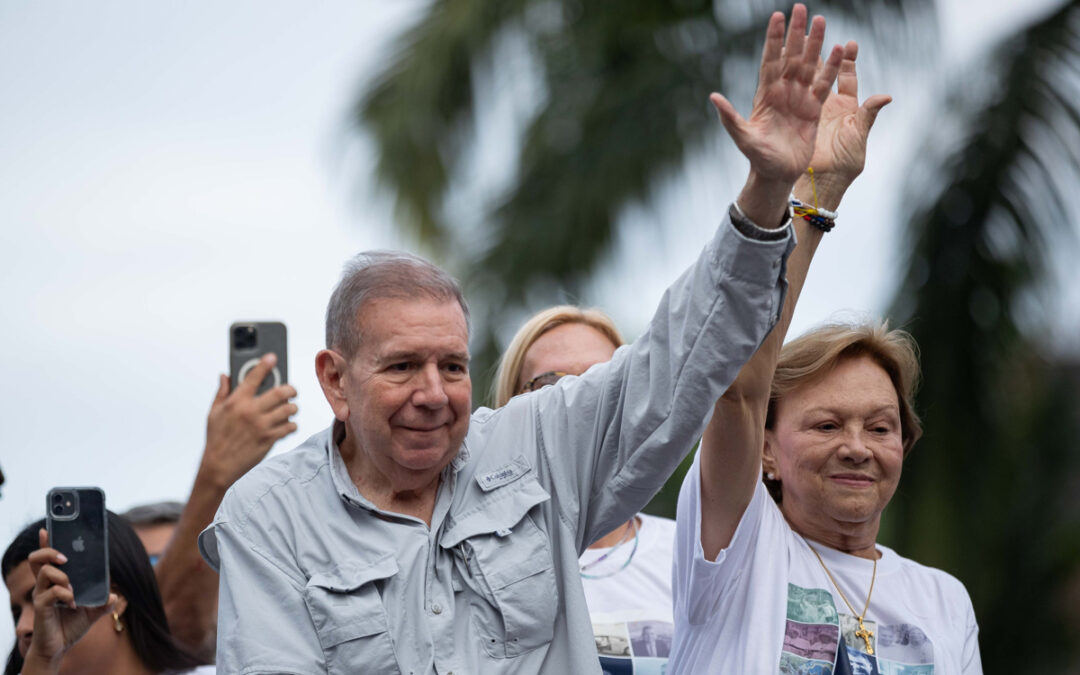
{"x":509,"y":558}
{"x":347,"y":610}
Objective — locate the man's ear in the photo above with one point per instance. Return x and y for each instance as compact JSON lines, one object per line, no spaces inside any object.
{"x":330,"y":368}
{"x":768,"y":454}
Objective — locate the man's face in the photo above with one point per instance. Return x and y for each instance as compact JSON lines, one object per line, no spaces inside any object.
{"x":407,"y":388}
{"x":155,"y":538}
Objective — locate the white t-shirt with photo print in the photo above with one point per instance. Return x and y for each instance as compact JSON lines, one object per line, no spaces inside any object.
{"x":765,"y":605}
{"x":630,"y":606}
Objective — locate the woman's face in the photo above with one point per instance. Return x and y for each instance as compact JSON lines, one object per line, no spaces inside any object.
{"x":92,"y":654}
{"x":836,"y":447}
{"x":20,"y":585}
{"x":569,"y":348}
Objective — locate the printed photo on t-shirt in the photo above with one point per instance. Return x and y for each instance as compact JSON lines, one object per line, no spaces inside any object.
{"x":906,"y":644}
{"x":858,"y":663}
{"x":813,"y":641}
{"x":616,"y":665}
{"x":651,"y":638}
{"x":612,"y":639}
{"x":810,"y":605}
{"x":796,"y":665}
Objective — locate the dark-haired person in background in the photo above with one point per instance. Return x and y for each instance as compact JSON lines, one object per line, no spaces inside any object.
{"x":155,"y":524}
{"x":127,"y":636}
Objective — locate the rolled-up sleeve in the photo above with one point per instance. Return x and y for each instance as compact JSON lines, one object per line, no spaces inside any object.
{"x":613,"y":436}
{"x":263,"y":623}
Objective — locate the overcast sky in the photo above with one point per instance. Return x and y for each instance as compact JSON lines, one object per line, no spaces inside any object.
{"x":169,"y":168}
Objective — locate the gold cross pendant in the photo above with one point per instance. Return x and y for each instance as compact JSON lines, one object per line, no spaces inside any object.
{"x":865,"y":635}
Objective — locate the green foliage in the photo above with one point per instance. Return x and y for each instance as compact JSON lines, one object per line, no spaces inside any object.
{"x":984,"y":491}
{"x":625,"y":88}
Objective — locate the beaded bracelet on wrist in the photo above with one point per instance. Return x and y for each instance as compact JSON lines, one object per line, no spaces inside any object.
{"x":819,"y":218}
{"x":822,"y":219}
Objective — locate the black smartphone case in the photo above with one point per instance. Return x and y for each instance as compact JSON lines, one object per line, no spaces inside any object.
{"x":84,"y":539}
{"x":270,"y":338}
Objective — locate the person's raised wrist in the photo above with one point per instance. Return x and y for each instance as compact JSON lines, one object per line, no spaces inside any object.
{"x":36,"y":662}
{"x":212,"y":477}
{"x":764,"y":200}
{"x":826,"y":188}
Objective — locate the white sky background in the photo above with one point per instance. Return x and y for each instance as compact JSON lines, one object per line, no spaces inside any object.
{"x":169,"y":168}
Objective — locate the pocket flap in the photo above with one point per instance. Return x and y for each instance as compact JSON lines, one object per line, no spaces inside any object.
{"x":523,"y":567}
{"x":348,"y":577}
{"x":504,"y":507}
{"x":345,"y":605}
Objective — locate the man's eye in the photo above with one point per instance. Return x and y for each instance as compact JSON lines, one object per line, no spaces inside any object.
{"x":827,"y":426}
{"x":455,"y":367}
{"x":401,"y":367}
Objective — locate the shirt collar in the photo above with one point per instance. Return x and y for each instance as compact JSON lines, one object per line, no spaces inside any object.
{"x":339,"y":473}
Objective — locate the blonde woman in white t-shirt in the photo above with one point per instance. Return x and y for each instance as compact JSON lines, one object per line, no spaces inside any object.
{"x":626,"y":573}
{"x":777,"y":565}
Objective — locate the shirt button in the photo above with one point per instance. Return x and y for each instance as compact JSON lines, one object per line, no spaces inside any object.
{"x":436,"y":609}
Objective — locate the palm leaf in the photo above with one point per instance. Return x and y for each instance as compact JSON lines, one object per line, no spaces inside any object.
{"x":988,"y":469}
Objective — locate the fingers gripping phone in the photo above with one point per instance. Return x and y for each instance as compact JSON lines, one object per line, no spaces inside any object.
{"x":78,"y":528}
{"x":248,"y":342}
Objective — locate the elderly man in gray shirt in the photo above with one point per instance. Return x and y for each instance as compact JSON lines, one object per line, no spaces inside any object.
{"x":413,"y":537}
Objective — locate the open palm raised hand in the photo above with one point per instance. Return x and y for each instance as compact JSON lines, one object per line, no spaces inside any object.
{"x":794,"y":83}
{"x":845,"y":125}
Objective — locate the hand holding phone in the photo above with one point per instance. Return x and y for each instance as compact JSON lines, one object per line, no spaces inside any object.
{"x":59,"y":621}
{"x":71,"y":572}
{"x":252,"y":408}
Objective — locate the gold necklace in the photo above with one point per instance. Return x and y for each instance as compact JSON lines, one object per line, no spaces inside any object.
{"x":863,"y":632}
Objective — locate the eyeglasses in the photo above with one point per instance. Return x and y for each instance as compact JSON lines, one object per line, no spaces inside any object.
{"x":542,"y":380}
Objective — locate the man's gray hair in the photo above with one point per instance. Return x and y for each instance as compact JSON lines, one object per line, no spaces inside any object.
{"x":375,"y":275}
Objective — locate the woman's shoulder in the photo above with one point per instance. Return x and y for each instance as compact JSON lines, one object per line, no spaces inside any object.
{"x":927,"y":577}
{"x":201,"y":670}
{"x":658,"y":523}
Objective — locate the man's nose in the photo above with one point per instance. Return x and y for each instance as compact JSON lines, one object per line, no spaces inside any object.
{"x":430,"y":392}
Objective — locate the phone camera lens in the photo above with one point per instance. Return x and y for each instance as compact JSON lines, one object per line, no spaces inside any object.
{"x":57,"y":499}
{"x":244,"y":337}
{"x":58,"y":509}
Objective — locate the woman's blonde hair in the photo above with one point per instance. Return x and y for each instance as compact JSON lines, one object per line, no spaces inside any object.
{"x":814,"y":354}
{"x":513,"y":359}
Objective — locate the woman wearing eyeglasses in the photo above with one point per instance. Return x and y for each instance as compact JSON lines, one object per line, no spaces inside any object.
{"x":626,"y":573}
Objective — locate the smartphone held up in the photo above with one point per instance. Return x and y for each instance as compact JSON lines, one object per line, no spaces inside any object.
{"x":249,"y":341}
{"x":77,"y":526}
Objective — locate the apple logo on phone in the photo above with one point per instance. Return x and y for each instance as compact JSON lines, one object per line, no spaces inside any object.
{"x":78,"y":545}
